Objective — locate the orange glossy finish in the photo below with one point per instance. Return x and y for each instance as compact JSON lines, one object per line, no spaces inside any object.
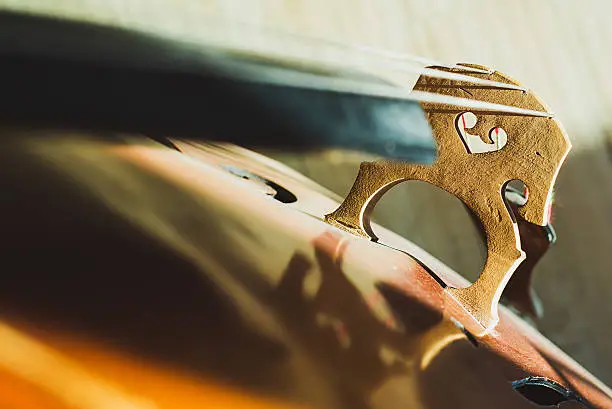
{"x":41,"y":370}
{"x":158,"y":279}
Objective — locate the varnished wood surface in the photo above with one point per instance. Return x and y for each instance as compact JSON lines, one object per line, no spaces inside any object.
{"x":559,"y":48}
{"x":572,"y":280}
{"x":135,"y":274}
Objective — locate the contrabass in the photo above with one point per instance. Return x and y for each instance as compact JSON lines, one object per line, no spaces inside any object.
{"x":153,"y":259}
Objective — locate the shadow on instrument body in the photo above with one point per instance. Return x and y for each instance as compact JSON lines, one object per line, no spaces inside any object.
{"x":122,"y":256}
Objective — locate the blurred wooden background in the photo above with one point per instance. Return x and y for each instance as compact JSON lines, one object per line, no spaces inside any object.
{"x":561,"y":49}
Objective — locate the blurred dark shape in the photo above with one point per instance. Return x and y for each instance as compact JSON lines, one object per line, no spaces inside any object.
{"x":72,"y":75}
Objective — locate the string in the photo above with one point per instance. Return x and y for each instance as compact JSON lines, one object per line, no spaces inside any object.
{"x":360,"y":48}
{"x":223,"y":51}
{"x":253,"y":47}
{"x":278,"y":76}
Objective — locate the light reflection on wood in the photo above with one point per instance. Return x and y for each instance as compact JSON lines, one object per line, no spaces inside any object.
{"x":34,"y":374}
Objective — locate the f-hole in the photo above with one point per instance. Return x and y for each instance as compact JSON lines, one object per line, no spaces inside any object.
{"x":543,"y":391}
{"x":436,"y":221}
{"x":277,"y":191}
